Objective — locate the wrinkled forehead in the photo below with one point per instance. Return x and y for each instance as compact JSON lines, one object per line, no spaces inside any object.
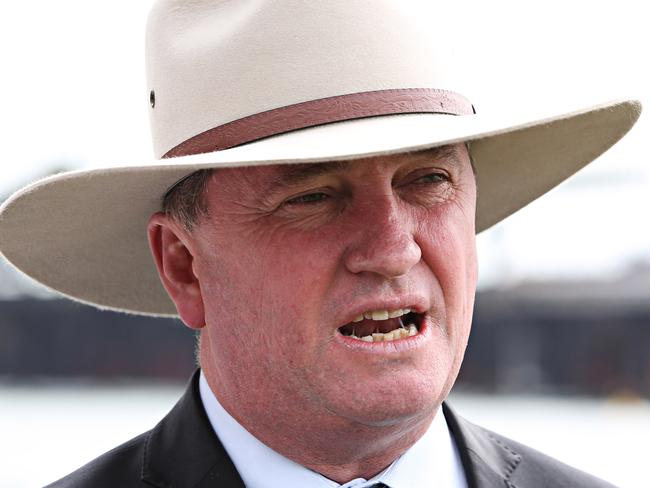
{"x":455,"y":154}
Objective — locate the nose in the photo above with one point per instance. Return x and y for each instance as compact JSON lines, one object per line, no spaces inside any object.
{"x":384,"y":242}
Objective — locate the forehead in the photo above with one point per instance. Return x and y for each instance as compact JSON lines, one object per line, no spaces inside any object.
{"x":281,"y":175}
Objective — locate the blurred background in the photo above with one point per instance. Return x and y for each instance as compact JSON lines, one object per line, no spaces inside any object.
{"x":559,"y":352}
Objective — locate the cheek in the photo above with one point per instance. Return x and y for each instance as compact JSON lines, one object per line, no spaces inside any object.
{"x":287,"y":276}
{"x":448,"y":245}
{"x":300,"y":262}
{"x":298,"y":279}
{"x":448,"y":248}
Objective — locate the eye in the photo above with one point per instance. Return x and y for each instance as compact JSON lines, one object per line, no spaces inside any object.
{"x":430,"y":178}
{"x":426,"y":186}
{"x":427,"y":178}
{"x":307,"y":199}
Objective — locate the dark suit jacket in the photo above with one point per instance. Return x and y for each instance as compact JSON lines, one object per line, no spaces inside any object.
{"x":182,"y":451}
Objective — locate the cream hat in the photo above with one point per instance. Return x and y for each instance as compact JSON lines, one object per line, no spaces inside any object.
{"x":252,"y":82}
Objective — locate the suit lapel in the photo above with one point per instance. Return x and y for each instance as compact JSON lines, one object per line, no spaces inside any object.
{"x":488,"y":461}
{"x":182,"y":451}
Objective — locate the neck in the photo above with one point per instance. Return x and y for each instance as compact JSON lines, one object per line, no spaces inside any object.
{"x":364,"y":455}
{"x":340,"y":449}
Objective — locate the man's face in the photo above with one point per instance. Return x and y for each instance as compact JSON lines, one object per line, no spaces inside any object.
{"x":291,"y":255}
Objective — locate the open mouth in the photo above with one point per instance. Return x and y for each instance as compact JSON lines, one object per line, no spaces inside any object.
{"x":384,"y":325}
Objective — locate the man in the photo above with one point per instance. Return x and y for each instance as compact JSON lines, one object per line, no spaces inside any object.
{"x":313,"y":215}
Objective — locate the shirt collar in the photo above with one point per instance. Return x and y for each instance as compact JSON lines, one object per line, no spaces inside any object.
{"x":432,"y":461}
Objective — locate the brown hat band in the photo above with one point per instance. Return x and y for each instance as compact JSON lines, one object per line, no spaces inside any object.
{"x":324,"y":111}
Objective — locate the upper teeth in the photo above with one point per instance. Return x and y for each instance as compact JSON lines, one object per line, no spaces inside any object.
{"x":382,"y":314}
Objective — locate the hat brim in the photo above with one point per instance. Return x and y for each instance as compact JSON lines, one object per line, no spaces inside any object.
{"x":83,"y":233}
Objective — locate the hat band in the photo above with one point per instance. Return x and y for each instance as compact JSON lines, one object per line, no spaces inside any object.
{"x":324,"y":111}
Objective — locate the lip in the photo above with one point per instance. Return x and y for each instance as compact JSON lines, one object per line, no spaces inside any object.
{"x":396,"y":346}
{"x":417,"y":304}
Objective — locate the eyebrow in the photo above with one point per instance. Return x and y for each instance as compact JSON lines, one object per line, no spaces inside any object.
{"x":294,"y":174}
{"x":448,"y":152}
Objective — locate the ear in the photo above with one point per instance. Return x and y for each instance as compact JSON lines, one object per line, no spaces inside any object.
{"x":174,"y":259}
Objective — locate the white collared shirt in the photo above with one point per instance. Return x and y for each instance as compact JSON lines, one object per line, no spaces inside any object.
{"x":432,"y":461}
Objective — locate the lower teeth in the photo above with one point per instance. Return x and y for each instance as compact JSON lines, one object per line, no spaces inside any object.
{"x":393,"y":335}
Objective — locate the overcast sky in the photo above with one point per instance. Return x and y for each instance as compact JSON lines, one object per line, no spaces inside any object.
{"x":73,"y":95}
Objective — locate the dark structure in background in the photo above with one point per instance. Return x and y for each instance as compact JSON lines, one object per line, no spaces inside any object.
{"x":60,"y":338}
{"x":577,"y":338}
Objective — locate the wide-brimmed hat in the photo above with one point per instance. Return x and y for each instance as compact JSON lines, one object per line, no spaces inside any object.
{"x":243,"y":83}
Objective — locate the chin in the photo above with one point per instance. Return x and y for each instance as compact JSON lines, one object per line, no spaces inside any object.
{"x":391,"y":402}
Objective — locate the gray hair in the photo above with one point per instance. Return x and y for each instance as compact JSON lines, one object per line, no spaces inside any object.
{"x":185,"y":202}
